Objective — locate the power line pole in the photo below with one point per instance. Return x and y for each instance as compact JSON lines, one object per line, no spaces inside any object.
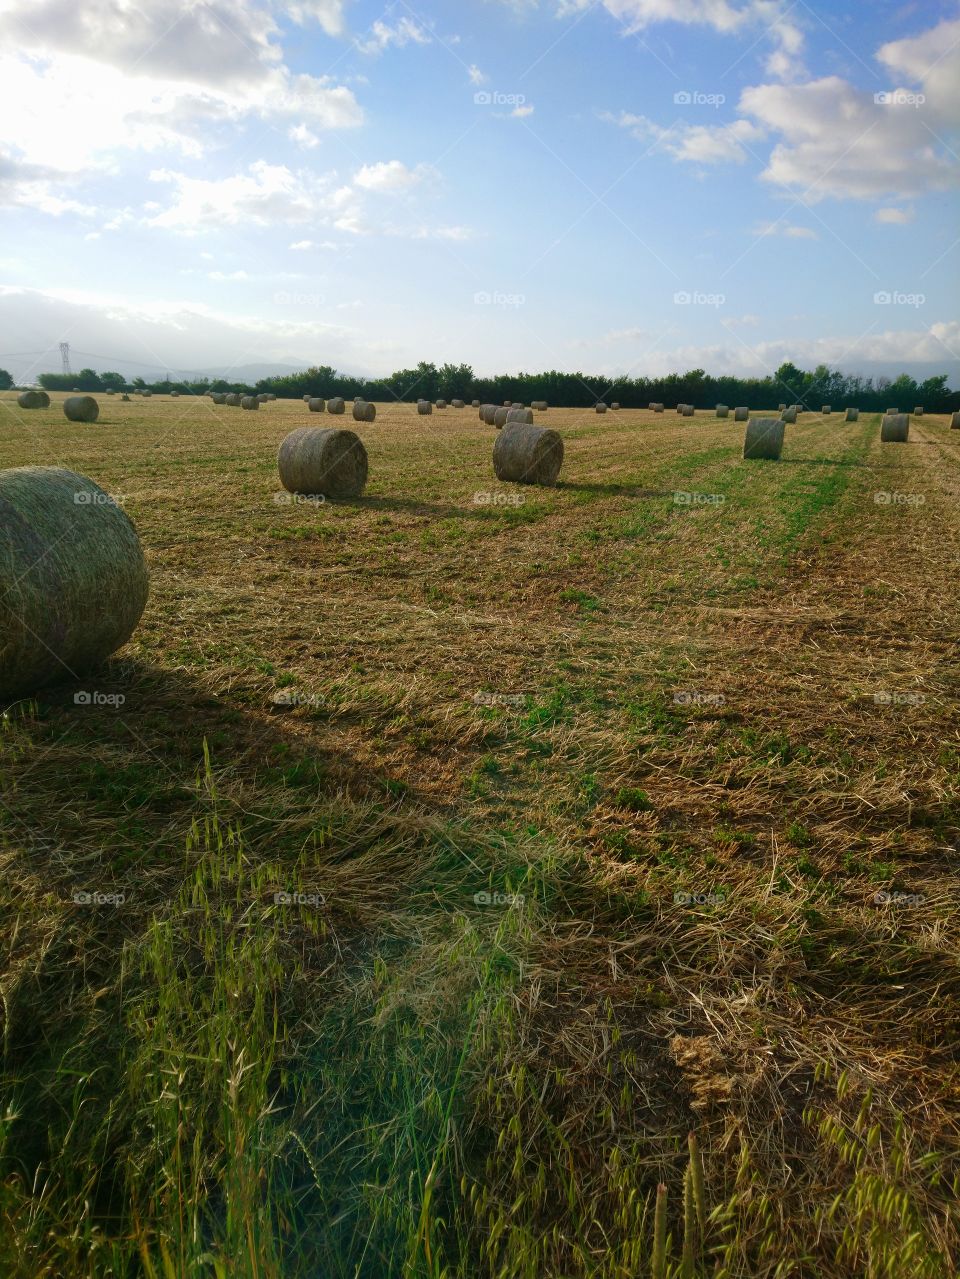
{"x":65,"y":356}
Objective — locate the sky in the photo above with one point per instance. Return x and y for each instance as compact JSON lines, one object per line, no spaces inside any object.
{"x":615,"y":186}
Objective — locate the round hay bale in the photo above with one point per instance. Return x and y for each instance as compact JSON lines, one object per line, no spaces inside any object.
{"x":33,"y":400}
{"x":790,"y":414}
{"x":918,"y":411}
{"x":364,"y":411}
{"x":528,"y":454}
{"x":680,"y":408}
{"x":73,"y":581}
{"x":109,"y":390}
{"x":852,"y":415}
{"x":325,"y":461}
{"x":262,"y":398}
{"x":826,"y":410}
{"x":540,"y":405}
{"x":271,"y":395}
{"x":174,"y":395}
{"x":336,"y":405}
{"x":688,"y":410}
{"x":233,"y":399}
{"x":249,"y":402}
{"x":317,"y":405}
{"x":146,"y":394}
{"x":520,"y":415}
{"x":781,"y":408}
{"x":658,"y":408}
{"x":441,"y":404}
{"x":741,"y":414}
{"x":457,"y":404}
{"x":723,"y":410}
{"x":500,"y":418}
{"x":424,"y":408}
{"x":955,"y":422}
{"x":218,"y":397}
{"x":614,"y":406}
{"x":307,"y":398}
{"x":474,"y":404}
{"x":81,"y":408}
{"x":488,"y":414}
{"x":764,"y":438}
{"x":895,"y":428}
{"x":507,"y":404}
{"x":601,"y":407}
{"x":892,"y":412}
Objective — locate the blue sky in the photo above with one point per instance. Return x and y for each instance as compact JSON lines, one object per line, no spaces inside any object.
{"x":612,"y":185}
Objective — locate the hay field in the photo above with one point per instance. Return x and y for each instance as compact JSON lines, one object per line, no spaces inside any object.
{"x":455,"y":852}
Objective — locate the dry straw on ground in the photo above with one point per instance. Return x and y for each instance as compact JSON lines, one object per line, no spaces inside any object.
{"x":323,"y":461}
{"x":73,"y":580}
{"x":528,"y":454}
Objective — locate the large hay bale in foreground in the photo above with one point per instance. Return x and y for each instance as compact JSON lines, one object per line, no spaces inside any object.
{"x":741,"y":414}
{"x":233,"y":399}
{"x":688,"y":410}
{"x":337,"y":405}
{"x":424,"y":408}
{"x":364,"y":411}
{"x":500,"y":417}
{"x":722,"y":410}
{"x":33,"y":400}
{"x":527,"y":454}
{"x":520,"y":415}
{"x":317,"y":405}
{"x":249,"y":402}
{"x":764,"y":438}
{"x":955,"y":422}
{"x":790,"y":414}
{"x":81,"y":408}
{"x":895,"y":428}
{"x":73,"y":581}
{"x":324,"y":461}
{"x":852,"y":415}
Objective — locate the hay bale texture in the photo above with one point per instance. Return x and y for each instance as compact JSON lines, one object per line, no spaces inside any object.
{"x":424,"y":408}
{"x":73,"y":580}
{"x":790,"y":414}
{"x":474,"y":404}
{"x":723,"y":410}
{"x":520,"y":415}
{"x":81,"y":408}
{"x":125,"y":397}
{"x":500,"y":417}
{"x":918,"y":411}
{"x":892,"y":412}
{"x":218,"y":397}
{"x":363,"y":411}
{"x":441,"y":404}
{"x":658,"y":408}
{"x":826,"y":410}
{"x":33,"y":400}
{"x":852,"y":415}
{"x":317,"y":405}
{"x":540,"y":405}
{"x":263,"y":398}
{"x":601,"y":407}
{"x":336,"y":405}
{"x":614,"y":406}
{"x":895,"y":428}
{"x":323,"y":461}
{"x":249,"y":402}
{"x":526,"y":454}
{"x":688,"y":410}
{"x":764,"y":438}
{"x":457,"y":404}
{"x":740,"y":414}
{"x":955,"y":422}
{"x":488,"y":414}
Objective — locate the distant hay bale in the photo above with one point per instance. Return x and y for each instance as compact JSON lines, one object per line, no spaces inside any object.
{"x":895,"y":428}
{"x":262,"y":398}
{"x":852,"y":415}
{"x":688,"y":410}
{"x":614,"y":406}
{"x":125,"y":396}
{"x":73,"y":581}
{"x":488,"y":414}
{"x":601,"y":407}
{"x":109,"y":390}
{"x":364,"y":411}
{"x":307,"y":398}
{"x":892,"y":412}
{"x":249,"y":402}
{"x":764,"y":438}
{"x":918,"y":411}
{"x":424,"y":408}
{"x":540,"y":405}
{"x":826,"y":410}
{"x":790,"y":414}
{"x":336,"y":405}
{"x":680,"y":408}
{"x":781,"y":408}
{"x":146,"y":394}
{"x":658,"y":408}
{"x":741,"y":414}
{"x":526,"y":454}
{"x":474,"y":404}
{"x":218,"y":397}
{"x":508,"y":404}
{"x":33,"y":400}
{"x":650,"y":407}
{"x":174,"y":395}
{"x":317,"y":405}
{"x":723,"y":410}
{"x":441,"y":404}
{"x":457,"y":404}
{"x":955,"y":422}
{"x":81,"y":408}
{"x":323,"y":461}
{"x":500,"y":417}
{"x":520,"y":415}
{"x":271,"y":395}
{"x":233,"y":399}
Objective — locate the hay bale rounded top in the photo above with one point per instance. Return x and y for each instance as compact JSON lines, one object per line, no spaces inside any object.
{"x":740,"y":414}
{"x":218,"y":397}
{"x":790,"y":414}
{"x":688,"y":410}
{"x":457,"y":404}
{"x":233,"y":399}
{"x":424,"y":407}
{"x":520,"y":415}
{"x":601,"y":407}
{"x":764,"y":438}
{"x":540,"y":405}
{"x":249,"y":402}
{"x":336,"y":405}
{"x":73,"y":580}
{"x":32,"y":399}
{"x":852,"y":415}
{"x":500,"y":417}
{"x":323,"y":461}
{"x":527,"y":454}
{"x":364,"y":411}
{"x":474,"y":404}
{"x":722,"y":410}
{"x":895,"y":428}
{"x":81,"y":408}
{"x":918,"y":411}
{"x":316,"y":405}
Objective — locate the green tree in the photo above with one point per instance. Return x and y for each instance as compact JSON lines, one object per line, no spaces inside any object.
{"x":6,"y":381}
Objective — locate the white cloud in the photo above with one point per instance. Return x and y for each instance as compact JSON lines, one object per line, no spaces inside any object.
{"x":390,"y":175}
{"x":304,"y":137}
{"x":268,"y":194}
{"x":227,"y":275}
{"x":695,"y":143}
{"x":931,"y":59}
{"x":522,"y":111}
{"x":382,"y":36}
{"x":476,"y":75}
{"x":301,"y":245}
{"x":329,"y":14}
{"x":894,"y":217}
{"x":789,"y":229}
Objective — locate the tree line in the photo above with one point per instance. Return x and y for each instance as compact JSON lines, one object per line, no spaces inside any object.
{"x":790,"y":385}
